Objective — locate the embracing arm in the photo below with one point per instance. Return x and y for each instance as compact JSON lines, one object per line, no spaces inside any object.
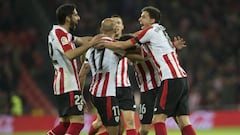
{"x":118,"y":45}
{"x":71,"y":54}
{"x":86,"y":43}
{"x":134,"y":54}
{"x":85,"y":69}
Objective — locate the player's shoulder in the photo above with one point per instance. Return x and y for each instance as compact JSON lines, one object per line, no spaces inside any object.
{"x":158,"y":27}
{"x":58,"y":30}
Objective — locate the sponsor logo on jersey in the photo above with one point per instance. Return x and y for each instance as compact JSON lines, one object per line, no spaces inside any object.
{"x":64,"y":41}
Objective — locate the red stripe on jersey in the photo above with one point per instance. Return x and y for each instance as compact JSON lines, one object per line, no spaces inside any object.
{"x":144,"y":53}
{"x":151,"y":70}
{"x":105,"y":84}
{"x":92,"y":84}
{"x":154,"y":59}
{"x":97,"y":83}
{"x":163,"y":98}
{"x":109,"y":108}
{"x":60,"y":34}
{"x":137,"y":75}
{"x":177,"y":62}
{"x":122,"y":72}
{"x":174,"y":74}
{"x":61,"y":80}
{"x":140,"y":35}
{"x":143,"y":32}
{"x":143,"y":77}
{"x":71,"y":95}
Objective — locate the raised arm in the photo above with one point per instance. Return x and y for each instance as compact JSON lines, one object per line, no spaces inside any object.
{"x":179,"y":43}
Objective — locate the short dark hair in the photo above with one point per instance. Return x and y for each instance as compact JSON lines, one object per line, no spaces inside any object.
{"x":153,"y":12}
{"x":63,"y":11}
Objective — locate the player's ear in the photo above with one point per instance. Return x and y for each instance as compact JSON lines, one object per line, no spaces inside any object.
{"x":152,"y":21}
{"x":67,"y":19}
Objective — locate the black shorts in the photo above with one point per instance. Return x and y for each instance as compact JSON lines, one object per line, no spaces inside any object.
{"x":147,"y":104}
{"x":70,"y":103}
{"x":126,"y":98}
{"x":173,"y":97}
{"x":108,"y":109}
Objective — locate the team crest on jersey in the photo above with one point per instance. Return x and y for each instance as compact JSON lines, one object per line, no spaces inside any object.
{"x":64,"y":40}
{"x":117,"y":118}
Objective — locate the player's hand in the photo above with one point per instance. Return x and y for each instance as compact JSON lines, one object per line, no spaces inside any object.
{"x":96,"y":40}
{"x":179,"y":43}
{"x":101,"y":44}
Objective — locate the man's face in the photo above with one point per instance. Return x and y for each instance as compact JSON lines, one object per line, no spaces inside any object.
{"x":145,"y":20}
{"x":74,"y":19}
{"x":119,"y":26}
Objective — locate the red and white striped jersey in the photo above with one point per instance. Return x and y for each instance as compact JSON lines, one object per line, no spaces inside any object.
{"x":103,"y":63}
{"x":66,"y":74}
{"x":156,"y":40}
{"x":122,"y":77}
{"x":147,"y":74}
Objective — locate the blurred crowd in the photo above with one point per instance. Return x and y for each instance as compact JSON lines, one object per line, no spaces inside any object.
{"x":210,"y":28}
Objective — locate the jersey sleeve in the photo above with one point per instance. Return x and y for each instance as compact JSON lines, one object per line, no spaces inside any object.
{"x":143,"y":37}
{"x":63,"y":40}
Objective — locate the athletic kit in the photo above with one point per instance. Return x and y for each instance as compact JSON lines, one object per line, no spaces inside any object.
{"x":103,"y":63}
{"x":163,"y":53}
{"x":66,"y":84}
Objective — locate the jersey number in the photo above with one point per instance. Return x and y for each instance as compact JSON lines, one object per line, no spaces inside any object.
{"x":50,"y":49}
{"x":142,"y":108}
{"x":167,"y":37}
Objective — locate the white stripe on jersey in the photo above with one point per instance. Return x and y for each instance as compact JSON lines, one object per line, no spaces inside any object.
{"x":103,"y":64}
{"x":147,"y":74}
{"x":65,"y":76}
{"x":122,"y":77}
{"x":163,"y":53}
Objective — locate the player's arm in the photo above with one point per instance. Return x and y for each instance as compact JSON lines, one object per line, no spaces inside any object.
{"x":134,"y":54}
{"x":81,"y":40}
{"x":73,"y":53}
{"x":85,"y":69}
{"x":117,"y":45}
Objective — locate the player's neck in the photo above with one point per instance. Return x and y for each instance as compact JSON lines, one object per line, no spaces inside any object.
{"x":110,"y":34}
{"x":66,"y":27}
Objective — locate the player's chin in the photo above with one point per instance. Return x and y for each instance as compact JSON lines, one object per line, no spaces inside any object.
{"x":74,"y":26}
{"x":142,"y":27}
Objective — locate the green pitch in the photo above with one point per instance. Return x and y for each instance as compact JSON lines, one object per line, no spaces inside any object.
{"x":219,"y":131}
